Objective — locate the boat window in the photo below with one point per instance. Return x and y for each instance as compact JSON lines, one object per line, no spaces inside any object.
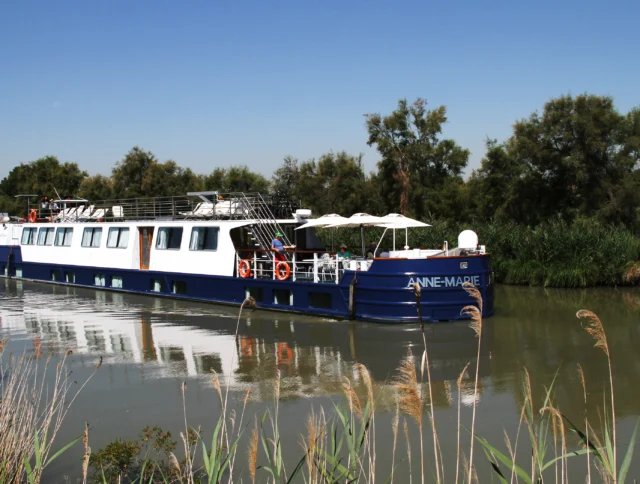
{"x":118,"y":238}
{"x":45,"y":236}
{"x":179,"y":287}
{"x":69,"y":277}
{"x":116,"y":281}
{"x":29,"y":236}
{"x":169,"y":238}
{"x":91,"y":237}
{"x":204,"y":238}
{"x":99,"y":279}
{"x":63,"y":237}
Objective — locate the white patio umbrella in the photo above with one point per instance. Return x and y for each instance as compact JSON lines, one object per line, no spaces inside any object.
{"x":397,"y":221}
{"x":323,"y":221}
{"x":359,"y":220}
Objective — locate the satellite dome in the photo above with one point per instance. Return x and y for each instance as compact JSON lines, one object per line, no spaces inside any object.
{"x":468,"y":239}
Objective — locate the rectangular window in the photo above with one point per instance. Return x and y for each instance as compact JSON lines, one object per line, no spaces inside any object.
{"x":29,"y":235}
{"x":157,"y":285}
{"x":169,"y":238}
{"x":204,"y":238}
{"x":116,"y":281}
{"x":320,"y":300}
{"x":179,"y":287}
{"x":91,"y":237}
{"x":118,"y":238}
{"x":55,"y":275}
{"x":18,"y":271}
{"x":70,"y":277}
{"x":63,"y":237}
{"x":254,"y":292}
{"x":283,"y":297}
{"x":45,"y":236}
{"x":99,"y":280}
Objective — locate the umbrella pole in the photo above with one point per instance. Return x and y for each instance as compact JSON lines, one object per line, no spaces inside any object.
{"x":332,"y":232}
{"x":394,"y":239}
{"x":362,"y":240}
{"x":406,"y":237}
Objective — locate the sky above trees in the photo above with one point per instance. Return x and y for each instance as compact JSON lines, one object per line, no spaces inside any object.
{"x":212,"y":84}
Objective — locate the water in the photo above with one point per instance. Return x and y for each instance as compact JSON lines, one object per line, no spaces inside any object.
{"x":150,"y":346}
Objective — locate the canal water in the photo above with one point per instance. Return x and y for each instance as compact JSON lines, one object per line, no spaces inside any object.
{"x":151,"y":346}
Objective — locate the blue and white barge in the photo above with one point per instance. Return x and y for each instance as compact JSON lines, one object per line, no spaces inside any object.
{"x":219,"y":250}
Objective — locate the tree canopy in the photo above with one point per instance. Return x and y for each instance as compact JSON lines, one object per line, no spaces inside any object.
{"x":577,"y":158}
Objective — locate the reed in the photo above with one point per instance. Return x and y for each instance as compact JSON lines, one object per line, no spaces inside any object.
{"x":35,"y":401}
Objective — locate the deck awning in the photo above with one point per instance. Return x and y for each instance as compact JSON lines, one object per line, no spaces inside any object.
{"x":323,"y":221}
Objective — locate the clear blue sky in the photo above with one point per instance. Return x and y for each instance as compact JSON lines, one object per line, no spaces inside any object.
{"x":217,"y":83}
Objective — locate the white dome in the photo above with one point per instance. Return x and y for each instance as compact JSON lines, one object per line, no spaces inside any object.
{"x":468,"y":239}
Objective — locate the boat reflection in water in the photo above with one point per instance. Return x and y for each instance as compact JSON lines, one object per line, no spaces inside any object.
{"x":179,"y":339}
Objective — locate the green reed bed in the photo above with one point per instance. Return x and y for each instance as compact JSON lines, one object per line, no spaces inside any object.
{"x":338,"y":444}
{"x":554,"y":254}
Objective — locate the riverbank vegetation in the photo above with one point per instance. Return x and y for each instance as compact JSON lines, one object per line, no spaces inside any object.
{"x":573,"y":166}
{"x":340,"y":444}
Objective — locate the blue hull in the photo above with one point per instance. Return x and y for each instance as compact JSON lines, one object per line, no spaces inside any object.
{"x":384,"y":293}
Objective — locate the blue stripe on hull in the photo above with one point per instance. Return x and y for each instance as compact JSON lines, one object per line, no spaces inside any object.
{"x":382,"y":294}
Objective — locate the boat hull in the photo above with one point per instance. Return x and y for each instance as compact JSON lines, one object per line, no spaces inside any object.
{"x":384,"y":293}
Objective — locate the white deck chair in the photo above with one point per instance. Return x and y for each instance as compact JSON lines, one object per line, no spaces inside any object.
{"x":86,"y":213}
{"x":204,"y":210}
{"x":191,"y":213}
{"x":117,"y":211}
{"x":70,"y":215}
{"x":98,"y":214}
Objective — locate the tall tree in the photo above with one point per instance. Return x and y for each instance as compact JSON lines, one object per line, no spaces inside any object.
{"x":414,"y":158}
{"x":286,"y":177}
{"x":129,"y":173}
{"x":236,"y":179}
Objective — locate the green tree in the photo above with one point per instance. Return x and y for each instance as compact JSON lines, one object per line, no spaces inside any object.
{"x":41,"y":177}
{"x":285,"y":179}
{"x":129,"y":173}
{"x":98,"y":187}
{"x":574,"y":155}
{"x":236,"y":179}
{"x":415,"y":160}
{"x":336,"y":183}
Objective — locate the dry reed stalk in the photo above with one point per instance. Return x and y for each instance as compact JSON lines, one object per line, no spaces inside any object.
{"x":595,"y":329}
{"x":253,"y":452}
{"x":515,"y":448}
{"x":394,"y":428}
{"x":586,"y":420}
{"x":409,"y":397}
{"x":31,"y":407}
{"x":408,"y":441}
{"x":87,"y":453}
{"x":174,"y":463}
{"x":528,"y":399}
{"x":459,"y":383}
{"x":353,"y":402}
{"x":475,"y":313}
{"x":371,"y":437}
{"x":425,"y":362}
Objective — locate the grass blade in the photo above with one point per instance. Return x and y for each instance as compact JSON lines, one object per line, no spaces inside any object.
{"x":626,"y":463}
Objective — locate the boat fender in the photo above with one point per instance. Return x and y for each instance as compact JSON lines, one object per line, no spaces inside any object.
{"x":352,"y":298}
{"x":282,"y":276}
{"x":33,"y":215}
{"x":244,"y":268}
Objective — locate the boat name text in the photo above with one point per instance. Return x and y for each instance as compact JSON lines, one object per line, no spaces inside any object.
{"x":452,"y":281}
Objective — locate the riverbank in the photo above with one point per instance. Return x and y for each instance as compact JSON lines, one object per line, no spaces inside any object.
{"x":584,"y":253}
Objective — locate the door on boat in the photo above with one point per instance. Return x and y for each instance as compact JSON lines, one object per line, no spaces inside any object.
{"x":146,"y":235}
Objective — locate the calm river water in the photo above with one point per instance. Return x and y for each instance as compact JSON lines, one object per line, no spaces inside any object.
{"x":151,"y":345}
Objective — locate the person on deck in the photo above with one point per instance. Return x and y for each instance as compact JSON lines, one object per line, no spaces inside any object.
{"x":371,"y":251}
{"x":343,"y":253}
{"x":278,"y":247}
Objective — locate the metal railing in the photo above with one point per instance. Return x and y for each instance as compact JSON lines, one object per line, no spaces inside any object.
{"x":310,"y":266}
{"x":235,"y":206}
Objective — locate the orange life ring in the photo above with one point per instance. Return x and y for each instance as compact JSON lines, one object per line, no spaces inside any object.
{"x":244,"y":268}
{"x":287,"y":271}
{"x":33,"y":215}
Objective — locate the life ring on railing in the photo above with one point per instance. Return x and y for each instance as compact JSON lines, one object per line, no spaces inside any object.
{"x":244,"y":268}
{"x":287,"y":271}
{"x":33,"y":215}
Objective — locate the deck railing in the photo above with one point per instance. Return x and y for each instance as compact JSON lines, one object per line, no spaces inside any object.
{"x":303,"y":265}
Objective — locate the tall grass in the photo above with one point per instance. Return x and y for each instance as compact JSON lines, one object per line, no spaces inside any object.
{"x":35,"y":399}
